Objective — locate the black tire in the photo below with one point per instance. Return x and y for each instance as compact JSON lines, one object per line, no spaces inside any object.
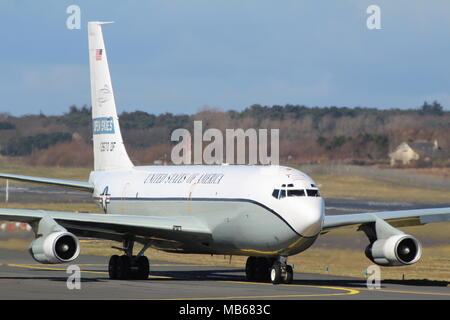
{"x":250,"y":269}
{"x":124,"y":267}
{"x":143,"y":268}
{"x":289,"y":275}
{"x":263,"y":269}
{"x":112,"y":266}
{"x":275,"y":273}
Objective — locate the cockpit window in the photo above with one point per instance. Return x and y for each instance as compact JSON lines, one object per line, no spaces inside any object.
{"x":282,"y":193}
{"x":313,"y":192}
{"x":275,"y":193}
{"x":296,"y":193}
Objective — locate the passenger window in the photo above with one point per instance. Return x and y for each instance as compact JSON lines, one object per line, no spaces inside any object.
{"x":282,"y":193}
{"x":275,"y":193}
{"x":313,"y":193}
{"x":296,"y":193}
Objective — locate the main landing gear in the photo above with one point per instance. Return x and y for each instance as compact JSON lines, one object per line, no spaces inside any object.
{"x":128,"y":266}
{"x":274,"y":270}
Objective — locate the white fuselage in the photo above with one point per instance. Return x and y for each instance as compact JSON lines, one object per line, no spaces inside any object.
{"x":250,"y":210}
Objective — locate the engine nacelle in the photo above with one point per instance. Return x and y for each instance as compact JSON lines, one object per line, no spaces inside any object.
{"x":57,"y":247}
{"x":397,"y":250}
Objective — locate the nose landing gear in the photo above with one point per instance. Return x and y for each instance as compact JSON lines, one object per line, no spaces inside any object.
{"x":274,"y":270}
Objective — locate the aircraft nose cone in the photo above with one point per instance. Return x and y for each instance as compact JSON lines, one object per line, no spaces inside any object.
{"x":313,"y":218}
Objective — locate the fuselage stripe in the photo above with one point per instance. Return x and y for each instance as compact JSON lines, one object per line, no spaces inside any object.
{"x":210,"y":199}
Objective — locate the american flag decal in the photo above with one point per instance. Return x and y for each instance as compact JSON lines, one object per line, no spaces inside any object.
{"x":98,"y":54}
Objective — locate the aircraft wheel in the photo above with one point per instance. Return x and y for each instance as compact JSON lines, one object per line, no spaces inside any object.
{"x":275,"y":273}
{"x":288,"y":276}
{"x":124,"y":267}
{"x":143,"y":268}
{"x":250,"y":269}
{"x":112,"y":266}
{"x":263,"y":269}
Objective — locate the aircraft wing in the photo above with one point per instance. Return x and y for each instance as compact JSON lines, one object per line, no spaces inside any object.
{"x":79,"y":185}
{"x":400,"y":218}
{"x":113,"y":227}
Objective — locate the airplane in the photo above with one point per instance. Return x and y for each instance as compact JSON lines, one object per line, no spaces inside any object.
{"x":266,"y":213}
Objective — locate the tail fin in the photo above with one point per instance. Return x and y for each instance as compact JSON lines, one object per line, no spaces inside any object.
{"x":109,"y":150}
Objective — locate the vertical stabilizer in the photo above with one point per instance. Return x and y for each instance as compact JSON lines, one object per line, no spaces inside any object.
{"x":109,"y":150}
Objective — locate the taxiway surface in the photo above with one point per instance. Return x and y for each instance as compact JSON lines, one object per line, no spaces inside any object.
{"x":22,"y":278}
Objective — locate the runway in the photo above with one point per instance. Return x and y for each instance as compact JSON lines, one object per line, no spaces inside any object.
{"x":23,"y":278}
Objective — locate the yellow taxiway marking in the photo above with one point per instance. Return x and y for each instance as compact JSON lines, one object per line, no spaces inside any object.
{"x":29,"y":266}
{"x":262,"y":297}
{"x":293,"y":295}
{"x":408,"y":292}
{"x":348,"y":290}
{"x":355,"y":291}
{"x":102,"y":264}
{"x":176,"y":265}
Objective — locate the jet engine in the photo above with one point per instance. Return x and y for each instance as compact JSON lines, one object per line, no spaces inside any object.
{"x":56,"y":247}
{"x":396,"y":250}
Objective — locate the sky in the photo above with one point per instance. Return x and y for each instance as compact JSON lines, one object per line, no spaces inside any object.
{"x":181,"y":56}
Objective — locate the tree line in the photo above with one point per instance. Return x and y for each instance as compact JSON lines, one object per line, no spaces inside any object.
{"x":307,"y":134}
